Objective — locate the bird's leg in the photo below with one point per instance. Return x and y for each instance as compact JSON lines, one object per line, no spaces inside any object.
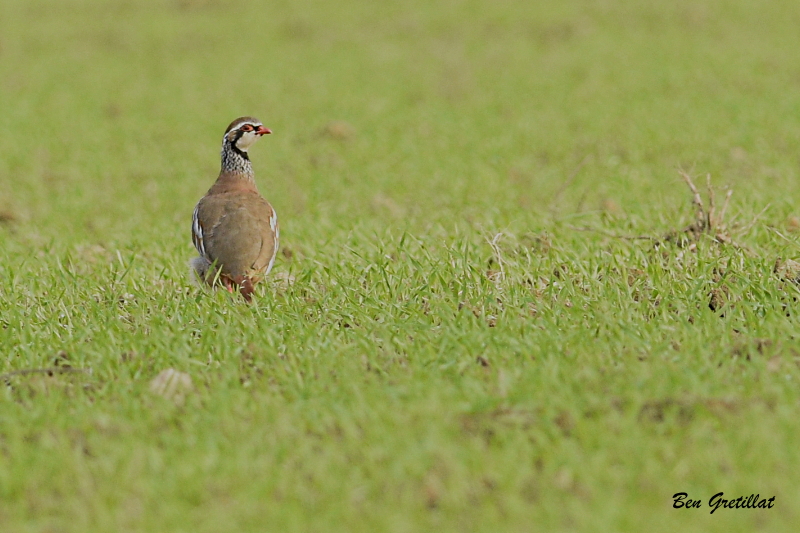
{"x":228,"y":284}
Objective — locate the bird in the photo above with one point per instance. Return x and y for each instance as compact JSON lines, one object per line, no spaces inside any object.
{"x":234,"y":229}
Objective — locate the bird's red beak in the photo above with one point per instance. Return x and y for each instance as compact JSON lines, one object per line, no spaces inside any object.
{"x":263,"y":131}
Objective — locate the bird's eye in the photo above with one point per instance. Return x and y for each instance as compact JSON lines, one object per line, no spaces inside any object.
{"x":247,"y":127}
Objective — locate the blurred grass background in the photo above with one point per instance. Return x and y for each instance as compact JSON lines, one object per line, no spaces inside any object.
{"x":373,"y":393}
{"x":455,"y":109}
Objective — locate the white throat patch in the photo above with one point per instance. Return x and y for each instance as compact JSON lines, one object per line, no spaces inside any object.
{"x":246,"y":140}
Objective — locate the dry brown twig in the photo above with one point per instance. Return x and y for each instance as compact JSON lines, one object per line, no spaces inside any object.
{"x":706,"y":221}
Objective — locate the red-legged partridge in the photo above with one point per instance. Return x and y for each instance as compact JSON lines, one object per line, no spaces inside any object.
{"x":234,"y":228}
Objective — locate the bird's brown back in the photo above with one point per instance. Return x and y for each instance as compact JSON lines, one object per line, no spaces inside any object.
{"x":238,"y":226}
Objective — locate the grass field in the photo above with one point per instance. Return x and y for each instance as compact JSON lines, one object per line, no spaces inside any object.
{"x":456,"y":335}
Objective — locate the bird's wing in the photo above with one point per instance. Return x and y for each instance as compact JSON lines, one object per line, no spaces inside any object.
{"x":268,"y":234}
{"x":234,"y":231}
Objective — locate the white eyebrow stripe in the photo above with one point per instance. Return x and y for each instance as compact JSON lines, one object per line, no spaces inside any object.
{"x":242,"y":123}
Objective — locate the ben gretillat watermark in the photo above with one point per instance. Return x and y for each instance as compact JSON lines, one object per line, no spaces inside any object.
{"x":754,"y":501}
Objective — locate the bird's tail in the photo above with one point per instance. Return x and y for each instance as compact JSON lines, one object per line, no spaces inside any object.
{"x":200,"y":268}
{"x":205,"y":273}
